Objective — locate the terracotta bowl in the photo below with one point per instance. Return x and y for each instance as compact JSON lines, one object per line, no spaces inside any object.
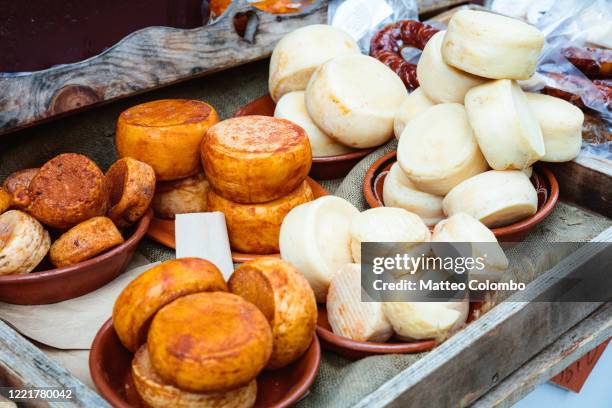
{"x":323,"y":168}
{"x":110,"y":368}
{"x":55,"y":285}
{"x":355,"y":350}
{"x":542,"y":179}
{"x":162,"y":231}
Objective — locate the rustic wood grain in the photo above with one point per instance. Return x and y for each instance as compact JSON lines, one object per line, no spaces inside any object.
{"x":22,"y":364}
{"x":466,"y":366}
{"x":145,"y":59}
{"x":577,"y":341}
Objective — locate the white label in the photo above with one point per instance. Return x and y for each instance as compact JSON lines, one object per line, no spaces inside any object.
{"x":357,"y":17}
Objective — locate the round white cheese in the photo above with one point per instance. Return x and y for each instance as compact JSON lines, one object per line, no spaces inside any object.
{"x":414,"y":104}
{"x":426,"y":320}
{"x":496,"y":198}
{"x":506,"y":128}
{"x":399,"y":191}
{"x":388,"y":224}
{"x":350,"y":317}
{"x":437,"y":149}
{"x":561,"y":124}
{"x":354,"y":98}
{"x":300,"y":52}
{"x":315,"y":238}
{"x":440,"y":81}
{"x":293,"y":107}
{"x":492,"y":46}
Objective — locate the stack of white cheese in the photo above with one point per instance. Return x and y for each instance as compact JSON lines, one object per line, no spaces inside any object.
{"x":469,"y":135}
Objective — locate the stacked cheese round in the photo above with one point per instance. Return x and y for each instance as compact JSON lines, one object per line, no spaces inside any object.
{"x":440,"y":81}
{"x":437,"y":149}
{"x":353,"y":99}
{"x":292,"y":106}
{"x":414,"y":104}
{"x":316,"y":239}
{"x":298,"y":54}
{"x":561,"y":124}
{"x":399,"y":191}
{"x":492,"y":46}
{"x":505,"y":126}
{"x":496,"y":198}
{"x":165,"y":134}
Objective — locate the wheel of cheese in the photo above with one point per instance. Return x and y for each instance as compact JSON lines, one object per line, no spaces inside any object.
{"x":209,"y":342}
{"x":561,"y":124}
{"x":182,"y":196}
{"x":353,"y":99}
{"x":158,"y":394}
{"x":496,"y":198}
{"x":165,"y":134}
{"x":387,"y":224}
{"x":438,"y":150}
{"x":23,"y":243}
{"x":19,"y":180}
{"x":417,"y":102}
{"x":350,"y":317}
{"x":284,"y":296}
{"x":292,"y":106}
{"x":426,"y":320}
{"x":254,"y":159}
{"x":440,"y":81}
{"x":315,"y":238}
{"x":399,"y":191}
{"x":254,"y":228}
{"x":505,"y":126}
{"x":158,"y":286}
{"x":466,"y":229}
{"x":299,"y":53}
{"x":492,"y":46}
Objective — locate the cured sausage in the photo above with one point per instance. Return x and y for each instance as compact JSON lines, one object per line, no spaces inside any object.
{"x":602,"y":92}
{"x":387,"y":45}
{"x":593,"y":62}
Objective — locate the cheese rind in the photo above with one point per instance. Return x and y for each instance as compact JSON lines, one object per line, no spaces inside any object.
{"x":440,"y":81}
{"x":300,"y":52}
{"x":437,"y":149}
{"x":350,"y":317}
{"x":492,"y":46}
{"x":353,"y":99}
{"x":561,"y":124}
{"x":292,"y":106}
{"x":417,"y":102}
{"x":506,"y":128}
{"x":399,"y":191}
{"x":315,"y":238}
{"x":387,"y":224}
{"x":496,"y":198}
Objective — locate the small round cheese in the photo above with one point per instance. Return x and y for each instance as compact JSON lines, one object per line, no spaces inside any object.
{"x":300,"y":52}
{"x":561,"y":124}
{"x":437,"y":149}
{"x":492,"y":46}
{"x":440,"y":81}
{"x":353,"y":98}
{"x":506,"y":128}
{"x":399,"y":191}
{"x":414,"y":104}
{"x":350,"y":317}
{"x":254,"y":159}
{"x":387,"y":224}
{"x":182,"y":196}
{"x":426,"y":320}
{"x":496,"y":198}
{"x":292,"y":106}
{"x":315,"y":238}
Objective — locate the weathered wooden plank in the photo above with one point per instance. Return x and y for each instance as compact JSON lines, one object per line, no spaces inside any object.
{"x":145,"y":59}
{"x":579,"y":340}
{"x":465,"y":367}
{"x":22,"y":364}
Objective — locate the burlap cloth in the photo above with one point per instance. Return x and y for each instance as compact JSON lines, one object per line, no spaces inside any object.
{"x":340,"y":382}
